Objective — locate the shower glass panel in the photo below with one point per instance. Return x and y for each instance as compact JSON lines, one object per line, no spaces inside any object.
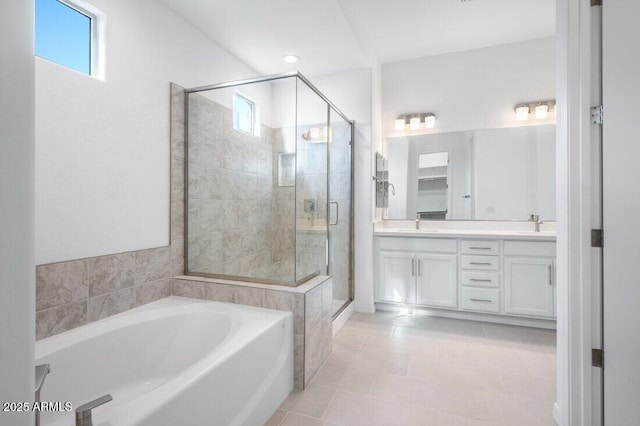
{"x":311,"y":183}
{"x":340,"y":218}
{"x":268,"y":164}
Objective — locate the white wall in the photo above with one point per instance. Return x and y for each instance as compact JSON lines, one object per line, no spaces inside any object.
{"x":102,"y":147}
{"x":475,"y":89}
{"x":17,"y":272}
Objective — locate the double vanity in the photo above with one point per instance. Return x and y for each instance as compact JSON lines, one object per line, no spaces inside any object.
{"x":498,"y":275}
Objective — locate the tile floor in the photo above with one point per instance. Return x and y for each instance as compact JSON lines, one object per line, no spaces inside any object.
{"x":395,"y":369}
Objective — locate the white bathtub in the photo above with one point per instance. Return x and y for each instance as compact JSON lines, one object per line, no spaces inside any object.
{"x":173,"y":362}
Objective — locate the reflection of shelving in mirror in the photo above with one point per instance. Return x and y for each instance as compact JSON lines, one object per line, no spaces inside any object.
{"x":432,"y":195}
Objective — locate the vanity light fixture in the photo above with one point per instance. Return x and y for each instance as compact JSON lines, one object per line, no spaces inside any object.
{"x":522,"y":112}
{"x":540,"y":110}
{"x":415,"y":121}
{"x":429,"y":121}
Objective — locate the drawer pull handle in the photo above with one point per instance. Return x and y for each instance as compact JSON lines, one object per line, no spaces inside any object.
{"x":413,"y":267}
{"x":480,"y":248}
{"x":480,"y":263}
{"x":480,"y":281}
{"x":473,"y":299}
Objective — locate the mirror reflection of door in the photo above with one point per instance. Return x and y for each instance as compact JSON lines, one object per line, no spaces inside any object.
{"x":433,"y":199}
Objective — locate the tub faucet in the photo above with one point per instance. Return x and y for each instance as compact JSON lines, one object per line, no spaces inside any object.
{"x":41,"y":374}
{"x":83,"y":412}
{"x":536,"y":222}
{"x":417,"y":221}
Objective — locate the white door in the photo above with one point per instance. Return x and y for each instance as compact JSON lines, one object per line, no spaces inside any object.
{"x":437,"y":284}
{"x":528,"y":286}
{"x":621,"y":214}
{"x":397,"y":276}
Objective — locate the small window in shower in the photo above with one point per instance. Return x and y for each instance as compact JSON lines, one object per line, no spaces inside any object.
{"x":70,"y":33}
{"x":244,"y":114}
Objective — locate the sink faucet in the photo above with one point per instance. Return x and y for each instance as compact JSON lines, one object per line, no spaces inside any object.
{"x":536,"y":222}
{"x":418,"y":221}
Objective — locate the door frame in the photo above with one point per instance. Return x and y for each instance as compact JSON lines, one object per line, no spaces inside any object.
{"x":574,"y":213}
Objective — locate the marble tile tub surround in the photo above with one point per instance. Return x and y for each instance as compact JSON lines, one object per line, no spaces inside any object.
{"x":71,"y":294}
{"x":310,"y":304}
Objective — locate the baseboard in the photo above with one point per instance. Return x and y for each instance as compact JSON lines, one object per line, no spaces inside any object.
{"x":342,"y":319}
{"x":447,"y":313}
{"x":556,"y":414}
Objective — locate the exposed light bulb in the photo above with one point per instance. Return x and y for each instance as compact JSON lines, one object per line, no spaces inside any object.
{"x":542,"y":111}
{"x":429,"y":121}
{"x":522,"y":113}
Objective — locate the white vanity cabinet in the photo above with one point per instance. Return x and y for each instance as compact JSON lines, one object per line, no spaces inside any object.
{"x":419,"y":271}
{"x":500,"y":276}
{"x":397,"y":276}
{"x":529,"y":278}
{"x":436,"y":280}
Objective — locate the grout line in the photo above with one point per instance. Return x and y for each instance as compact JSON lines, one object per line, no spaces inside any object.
{"x":324,"y":412}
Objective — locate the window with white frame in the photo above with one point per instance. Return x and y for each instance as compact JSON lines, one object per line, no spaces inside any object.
{"x":70,"y":33}
{"x":244,"y":114}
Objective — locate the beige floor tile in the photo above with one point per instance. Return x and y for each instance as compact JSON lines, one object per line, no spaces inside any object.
{"x":540,"y":365}
{"x":512,"y":411}
{"x":457,"y":375}
{"x":409,"y":347}
{"x":447,"y":419}
{"x":294,"y":419}
{"x":342,"y":354}
{"x":276,"y":419}
{"x":500,"y":359}
{"x":368,"y":328}
{"x":350,"y":338}
{"x":312,"y":402}
{"x":357,"y":381}
{"x":376,"y":361}
{"x":361,"y":410}
{"x":425,"y":394}
{"x":530,"y":387}
{"x":330,"y":375}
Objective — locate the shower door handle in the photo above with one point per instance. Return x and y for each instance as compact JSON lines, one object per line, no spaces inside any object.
{"x":337,"y":213}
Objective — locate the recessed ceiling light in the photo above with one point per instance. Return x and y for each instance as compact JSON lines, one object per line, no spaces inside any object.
{"x":292,"y":59}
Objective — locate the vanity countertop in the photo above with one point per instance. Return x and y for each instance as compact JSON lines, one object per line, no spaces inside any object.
{"x":430,"y":232}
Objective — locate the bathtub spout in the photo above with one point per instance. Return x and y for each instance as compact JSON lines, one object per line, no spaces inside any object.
{"x":83,"y":413}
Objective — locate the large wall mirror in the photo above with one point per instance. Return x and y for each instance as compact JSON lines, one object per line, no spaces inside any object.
{"x":490,"y":174}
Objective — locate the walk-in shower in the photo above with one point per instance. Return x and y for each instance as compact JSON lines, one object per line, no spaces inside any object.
{"x":269,"y":184}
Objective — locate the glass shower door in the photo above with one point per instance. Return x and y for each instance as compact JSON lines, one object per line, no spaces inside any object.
{"x":340,"y":208}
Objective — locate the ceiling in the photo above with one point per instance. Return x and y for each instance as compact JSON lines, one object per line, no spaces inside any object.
{"x":336,"y":35}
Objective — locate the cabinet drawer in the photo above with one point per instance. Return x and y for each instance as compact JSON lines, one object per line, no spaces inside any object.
{"x":480,"y":247}
{"x":480,"y":299}
{"x":489,"y":263}
{"x":480,"y":279}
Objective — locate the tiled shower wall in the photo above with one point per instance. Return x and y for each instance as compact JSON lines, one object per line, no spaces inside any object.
{"x":240,"y":221}
{"x":70,"y":294}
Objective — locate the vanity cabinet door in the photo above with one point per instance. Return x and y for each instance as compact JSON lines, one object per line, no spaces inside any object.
{"x":437,"y":284}
{"x":529,"y":286}
{"x":397,"y":276}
